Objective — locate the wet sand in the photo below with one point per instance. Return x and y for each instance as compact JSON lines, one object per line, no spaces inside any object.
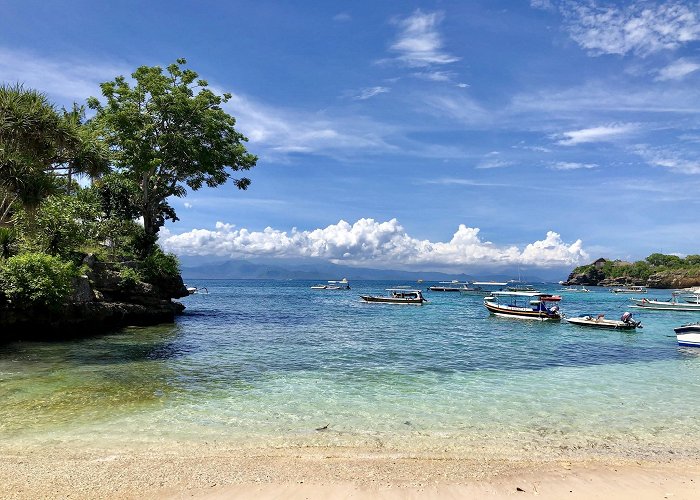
{"x":189,"y":470}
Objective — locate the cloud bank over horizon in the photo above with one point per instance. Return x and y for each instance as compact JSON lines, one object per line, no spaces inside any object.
{"x":367,"y":241}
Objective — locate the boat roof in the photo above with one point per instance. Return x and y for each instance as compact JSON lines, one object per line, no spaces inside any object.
{"x":455,"y":282}
{"x":402,"y":290}
{"x":488,"y":283}
{"x":524,"y":294}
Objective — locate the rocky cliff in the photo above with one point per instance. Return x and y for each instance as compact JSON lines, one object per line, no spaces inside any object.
{"x":598,"y":275}
{"x":101,"y":301}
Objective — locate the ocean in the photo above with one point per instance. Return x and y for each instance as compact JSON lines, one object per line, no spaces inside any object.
{"x":257,"y":363}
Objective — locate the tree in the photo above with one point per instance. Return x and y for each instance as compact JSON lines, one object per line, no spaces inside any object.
{"x":39,"y":146}
{"x":169,"y":132}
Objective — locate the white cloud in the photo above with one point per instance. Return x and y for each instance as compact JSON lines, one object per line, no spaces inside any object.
{"x":565,"y":165}
{"x":419,"y":44}
{"x":187,"y":204}
{"x":641,"y":28}
{"x":342,"y":17}
{"x":463,"y":85}
{"x":672,"y":160}
{"x":678,"y":70}
{"x":65,"y":78}
{"x":493,"y":163}
{"x":595,"y":134}
{"x":371,"y":92}
{"x":367,"y":241}
{"x":435,"y":76}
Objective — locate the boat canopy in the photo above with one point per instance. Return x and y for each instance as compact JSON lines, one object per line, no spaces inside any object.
{"x":402,"y":290}
{"x":495,"y":283}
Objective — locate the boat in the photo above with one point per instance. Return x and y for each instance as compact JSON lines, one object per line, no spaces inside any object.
{"x":397,"y":296}
{"x":625,"y":322}
{"x":448,"y":286}
{"x":688,"y":335}
{"x":692,"y":297}
{"x":483,"y":287}
{"x":195,"y":289}
{"x":572,"y":289}
{"x":525,"y":305}
{"x":522,"y":287}
{"x":343,"y":284}
{"x":630,"y":289}
{"x":673,"y":304}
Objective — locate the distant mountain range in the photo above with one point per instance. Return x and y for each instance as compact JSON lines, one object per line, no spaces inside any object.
{"x":244,"y":269}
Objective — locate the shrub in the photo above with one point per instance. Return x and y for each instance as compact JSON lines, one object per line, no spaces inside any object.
{"x":37,"y":279}
{"x":159,"y":265}
{"x":129,"y":277}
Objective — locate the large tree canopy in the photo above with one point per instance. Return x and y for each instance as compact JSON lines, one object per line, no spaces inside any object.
{"x":168,"y":131}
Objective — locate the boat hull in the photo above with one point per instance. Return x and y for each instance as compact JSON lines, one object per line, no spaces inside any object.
{"x":520,"y":312}
{"x":694,"y":328}
{"x":657,"y":305}
{"x":391,"y":300}
{"x":688,"y":339}
{"x":602,"y":323}
{"x":443,"y":289}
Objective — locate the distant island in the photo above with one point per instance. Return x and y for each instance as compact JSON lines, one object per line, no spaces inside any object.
{"x":656,"y":271}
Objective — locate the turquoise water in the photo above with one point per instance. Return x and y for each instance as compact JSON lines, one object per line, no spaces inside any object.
{"x":266,"y":363}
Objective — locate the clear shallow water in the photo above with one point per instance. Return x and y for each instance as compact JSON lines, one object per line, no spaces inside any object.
{"x":266,"y":363}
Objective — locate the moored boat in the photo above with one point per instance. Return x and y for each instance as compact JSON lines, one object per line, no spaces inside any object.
{"x":397,"y":296}
{"x":688,"y":335}
{"x":630,"y":289}
{"x":524,"y":305}
{"x":343,"y":284}
{"x":673,"y":304}
{"x":448,"y":286}
{"x":573,"y":289}
{"x":625,"y":323}
{"x":483,"y":287}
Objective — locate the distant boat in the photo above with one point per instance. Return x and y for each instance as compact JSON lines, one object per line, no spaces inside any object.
{"x":688,"y":335}
{"x":524,"y":305}
{"x":625,"y":323}
{"x":573,"y":289}
{"x":397,"y":296}
{"x":343,"y":284}
{"x":194,"y":289}
{"x":672,"y":304}
{"x":483,"y":287}
{"x":448,"y":286}
{"x":630,"y":289}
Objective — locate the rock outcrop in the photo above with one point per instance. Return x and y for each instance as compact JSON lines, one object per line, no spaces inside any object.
{"x":101,"y":301}
{"x":595,"y":275}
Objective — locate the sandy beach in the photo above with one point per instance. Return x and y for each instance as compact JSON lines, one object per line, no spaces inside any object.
{"x":218,"y":471}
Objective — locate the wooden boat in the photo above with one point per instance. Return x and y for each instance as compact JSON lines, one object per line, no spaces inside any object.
{"x":524,"y":305}
{"x":688,"y":335}
{"x":630,"y":289}
{"x":397,"y":296}
{"x":448,"y":286}
{"x":673,"y":304}
{"x":625,"y":323}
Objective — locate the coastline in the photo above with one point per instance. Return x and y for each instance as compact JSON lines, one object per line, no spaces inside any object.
{"x":179,"y":470}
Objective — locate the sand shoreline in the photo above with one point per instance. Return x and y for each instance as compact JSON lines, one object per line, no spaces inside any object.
{"x":196,"y":471}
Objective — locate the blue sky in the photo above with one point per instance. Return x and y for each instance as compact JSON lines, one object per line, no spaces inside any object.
{"x":436,"y":135}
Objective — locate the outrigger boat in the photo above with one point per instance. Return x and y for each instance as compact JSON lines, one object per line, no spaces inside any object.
{"x":630,"y":289}
{"x":525,"y":305}
{"x":673,"y":304}
{"x":397,"y":296}
{"x":625,"y":323}
{"x":688,"y":335}
{"x":333,"y":285}
{"x":448,"y":286}
{"x":574,"y":289}
{"x":483,"y":287}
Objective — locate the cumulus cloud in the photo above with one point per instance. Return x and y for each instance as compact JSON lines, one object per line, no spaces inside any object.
{"x":419,"y":43}
{"x":678,"y":70}
{"x":385,"y":244}
{"x":594,"y":134}
{"x":642,"y":28}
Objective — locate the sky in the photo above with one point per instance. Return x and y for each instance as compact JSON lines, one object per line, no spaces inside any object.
{"x":436,"y":135}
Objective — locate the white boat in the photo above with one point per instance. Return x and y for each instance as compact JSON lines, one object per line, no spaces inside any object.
{"x":688,"y":335}
{"x":195,"y":289}
{"x":397,"y":296}
{"x":625,"y":323}
{"x":673,"y":304}
{"x":573,"y":289}
{"x":343,"y":284}
{"x":448,"y":286}
{"x":524,"y":305}
{"x":692,"y":297}
{"x":483,"y":287}
{"x":630,"y":289}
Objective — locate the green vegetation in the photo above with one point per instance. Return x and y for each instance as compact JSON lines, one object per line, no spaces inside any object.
{"x":643,"y":269}
{"x":143,"y":145}
{"x":36,"y":279}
